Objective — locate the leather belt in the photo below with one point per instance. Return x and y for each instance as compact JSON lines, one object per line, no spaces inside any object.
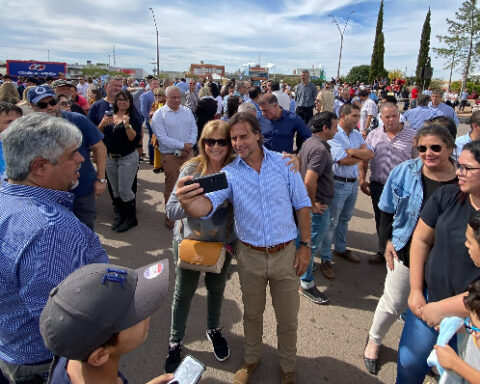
{"x":344,"y":179}
{"x":271,"y":249}
{"x":118,"y":155}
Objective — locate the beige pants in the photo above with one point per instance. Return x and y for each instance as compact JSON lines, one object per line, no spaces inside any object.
{"x":256,"y":270}
{"x":171,"y":166}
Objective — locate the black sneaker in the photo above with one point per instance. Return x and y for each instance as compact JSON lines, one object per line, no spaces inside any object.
{"x":315,"y":295}
{"x":220,"y":346}
{"x":173,"y":357}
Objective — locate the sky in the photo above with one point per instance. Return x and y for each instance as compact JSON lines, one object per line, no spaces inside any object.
{"x":287,"y":33}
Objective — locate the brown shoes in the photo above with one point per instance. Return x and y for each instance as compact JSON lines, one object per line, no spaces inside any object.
{"x":347,"y":255}
{"x":377,"y":258}
{"x":287,"y":378}
{"x":327,"y":270}
{"x":245,"y":373}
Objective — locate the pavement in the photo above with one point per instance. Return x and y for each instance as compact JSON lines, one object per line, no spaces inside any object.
{"x":331,"y":338}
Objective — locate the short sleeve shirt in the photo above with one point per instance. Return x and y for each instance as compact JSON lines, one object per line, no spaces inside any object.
{"x":315,"y":156}
{"x":449,"y":269}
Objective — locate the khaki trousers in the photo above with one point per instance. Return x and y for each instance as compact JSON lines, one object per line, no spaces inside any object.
{"x":171,"y":166}
{"x":257,"y":269}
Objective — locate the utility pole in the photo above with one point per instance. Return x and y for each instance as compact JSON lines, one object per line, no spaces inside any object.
{"x":341,"y":38}
{"x":156,"y":30}
{"x":114,"y":58}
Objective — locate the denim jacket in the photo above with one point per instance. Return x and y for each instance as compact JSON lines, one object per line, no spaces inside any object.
{"x":403,"y":196}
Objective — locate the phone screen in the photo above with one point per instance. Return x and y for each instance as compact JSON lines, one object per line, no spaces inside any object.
{"x":189,"y":371}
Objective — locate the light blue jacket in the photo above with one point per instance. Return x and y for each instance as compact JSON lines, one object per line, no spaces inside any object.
{"x":403,"y":196}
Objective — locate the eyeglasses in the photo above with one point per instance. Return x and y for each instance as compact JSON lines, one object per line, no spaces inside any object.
{"x":469,"y":327}
{"x":212,"y":142}
{"x":435,"y":148}
{"x":43,"y":105}
{"x":464,"y":169}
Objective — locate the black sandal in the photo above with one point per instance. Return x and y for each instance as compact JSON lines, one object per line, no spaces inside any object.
{"x":370,"y":364}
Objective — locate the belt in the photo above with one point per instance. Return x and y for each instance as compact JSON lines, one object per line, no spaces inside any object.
{"x":118,"y":155}
{"x":344,"y":179}
{"x":271,"y":249}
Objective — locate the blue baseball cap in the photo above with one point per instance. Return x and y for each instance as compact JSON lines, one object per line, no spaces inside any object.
{"x":37,"y":94}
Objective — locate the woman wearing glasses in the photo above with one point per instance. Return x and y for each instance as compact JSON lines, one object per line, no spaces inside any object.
{"x":215,"y":152}
{"x":122,"y":134}
{"x":440,"y":266}
{"x":406,"y":191}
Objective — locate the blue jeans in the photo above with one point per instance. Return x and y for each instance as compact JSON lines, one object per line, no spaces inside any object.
{"x":341,"y":210}
{"x":320,"y":225}
{"x":150,"y":146}
{"x":416,"y":343}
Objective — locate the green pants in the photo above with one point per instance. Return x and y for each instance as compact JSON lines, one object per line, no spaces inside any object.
{"x":186,"y":282}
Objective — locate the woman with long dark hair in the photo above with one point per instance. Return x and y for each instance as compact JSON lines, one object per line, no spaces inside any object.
{"x":122,"y":134}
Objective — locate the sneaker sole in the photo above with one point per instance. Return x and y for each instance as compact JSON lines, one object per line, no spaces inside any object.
{"x":218,"y":358}
{"x":315,"y":301}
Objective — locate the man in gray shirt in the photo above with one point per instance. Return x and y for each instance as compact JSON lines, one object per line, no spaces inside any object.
{"x":305,"y":94}
{"x":318,"y":178}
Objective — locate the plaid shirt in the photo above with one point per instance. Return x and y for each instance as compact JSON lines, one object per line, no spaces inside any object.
{"x":41,"y":242}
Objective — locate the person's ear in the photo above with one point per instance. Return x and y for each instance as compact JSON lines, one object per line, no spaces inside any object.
{"x":99,"y":357}
{"x":39,"y":166}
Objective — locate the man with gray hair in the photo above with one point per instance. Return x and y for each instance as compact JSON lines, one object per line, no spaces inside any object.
{"x":438,"y":104}
{"x":416,"y":117}
{"x":42,"y":240}
{"x":176,"y":132}
{"x":305,"y":94}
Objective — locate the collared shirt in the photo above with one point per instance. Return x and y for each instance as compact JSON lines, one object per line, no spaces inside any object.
{"x":416,"y":117}
{"x":265,"y":124}
{"x":280,"y":134}
{"x":460,"y":143}
{"x":174,"y":128}
{"x":262,"y":202}
{"x":338,"y":104}
{"x":41,"y":243}
{"x":445,"y":110}
{"x":191,"y":100}
{"x":315,"y":156}
{"x":182,"y":86}
{"x":389,"y":152}
{"x":305,"y":94}
{"x":146,"y":101}
{"x":369,"y":108}
{"x":2,"y":163}
{"x":339,"y":145}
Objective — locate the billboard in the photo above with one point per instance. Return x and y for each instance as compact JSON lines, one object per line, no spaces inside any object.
{"x":35,"y":68}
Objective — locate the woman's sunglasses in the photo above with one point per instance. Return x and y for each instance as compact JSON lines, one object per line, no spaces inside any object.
{"x":43,"y":105}
{"x":435,"y":148}
{"x":212,"y":142}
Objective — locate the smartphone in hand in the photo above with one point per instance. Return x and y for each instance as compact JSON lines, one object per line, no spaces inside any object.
{"x":189,"y":371}
{"x":211,"y":183}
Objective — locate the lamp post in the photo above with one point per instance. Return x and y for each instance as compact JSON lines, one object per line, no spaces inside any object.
{"x":341,"y":38}
{"x":156,"y":30}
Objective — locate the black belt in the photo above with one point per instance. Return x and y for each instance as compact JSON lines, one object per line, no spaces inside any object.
{"x":118,"y":155}
{"x":344,"y":179}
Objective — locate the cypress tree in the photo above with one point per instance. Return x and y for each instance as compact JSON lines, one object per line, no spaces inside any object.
{"x":423,"y":74}
{"x":377,"y":69}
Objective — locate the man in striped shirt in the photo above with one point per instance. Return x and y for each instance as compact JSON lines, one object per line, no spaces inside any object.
{"x":392,"y":145}
{"x":262,"y":190}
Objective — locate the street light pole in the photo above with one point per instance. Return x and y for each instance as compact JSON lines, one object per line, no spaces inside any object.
{"x":156,"y":30}
{"x":341,"y":38}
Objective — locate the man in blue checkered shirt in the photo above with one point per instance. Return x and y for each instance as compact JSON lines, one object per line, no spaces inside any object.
{"x":41,"y":240}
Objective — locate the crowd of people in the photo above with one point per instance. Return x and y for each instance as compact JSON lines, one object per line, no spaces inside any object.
{"x":295,"y":159}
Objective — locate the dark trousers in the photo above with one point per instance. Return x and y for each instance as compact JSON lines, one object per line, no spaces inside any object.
{"x":376,"y":190}
{"x":306,"y":113}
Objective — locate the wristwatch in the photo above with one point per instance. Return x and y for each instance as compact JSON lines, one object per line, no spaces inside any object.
{"x":102,"y":180}
{"x":307,"y":244}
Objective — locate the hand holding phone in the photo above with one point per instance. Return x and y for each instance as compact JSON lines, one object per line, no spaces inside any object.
{"x":189,"y":371}
{"x":211,"y":183}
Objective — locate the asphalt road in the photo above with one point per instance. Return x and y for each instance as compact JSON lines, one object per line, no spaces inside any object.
{"x":331,"y":338}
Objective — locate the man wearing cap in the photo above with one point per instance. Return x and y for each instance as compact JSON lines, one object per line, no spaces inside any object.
{"x":92,"y":182}
{"x":79,"y":103}
{"x":82,"y":87}
{"x":96,"y":315}
{"x":42,"y":241}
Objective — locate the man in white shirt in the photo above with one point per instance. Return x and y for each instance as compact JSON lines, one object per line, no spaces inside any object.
{"x":282,"y":97}
{"x":368,"y":113}
{"x":176,"y":132}
{"x":82,"y":87}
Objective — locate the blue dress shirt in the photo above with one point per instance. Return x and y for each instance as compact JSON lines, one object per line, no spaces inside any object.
{"x":416,"y":117}
{"x":460,"y":143}
{"x":446,"y":111}
{"x":146,"y":101}
{"x":338,"y":147}
{"x":280,"y":134}
{"x":2,"y":163}
{"x":262,"y":202}
{"x":41,"y":243}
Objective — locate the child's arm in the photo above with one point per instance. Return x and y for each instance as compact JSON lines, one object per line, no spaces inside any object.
{"x":433,"y":313}
{"x":449,"y":360}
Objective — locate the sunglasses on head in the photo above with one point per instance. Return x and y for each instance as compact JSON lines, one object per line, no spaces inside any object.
{"x":212,"y":142}
{"x":435,"y":148}
{"x":43,"y":105}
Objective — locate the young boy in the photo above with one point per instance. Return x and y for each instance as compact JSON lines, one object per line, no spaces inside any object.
{"x":446,"y":355}
{"x":96,"y":315}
